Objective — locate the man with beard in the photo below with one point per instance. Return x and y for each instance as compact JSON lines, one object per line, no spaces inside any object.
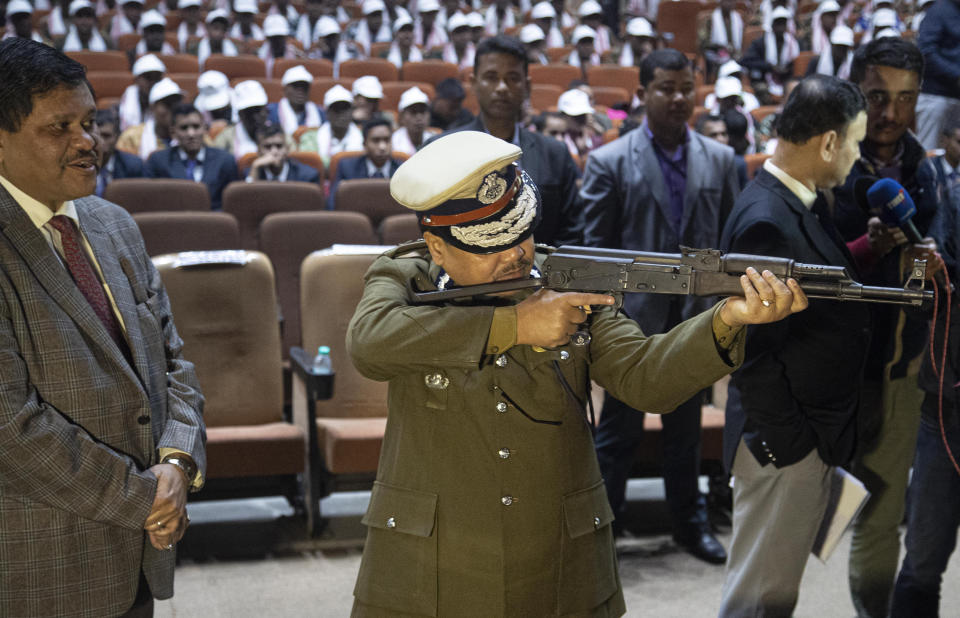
{"x":190,"y":159}
{"x":501,"y":84}
{"x":655,"y":189}
{"x":888,"y":72}
{"x":489,"y":496}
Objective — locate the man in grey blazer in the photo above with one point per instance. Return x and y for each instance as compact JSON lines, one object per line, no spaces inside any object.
{"x":656,"y":188}
{"x":101,"y":432}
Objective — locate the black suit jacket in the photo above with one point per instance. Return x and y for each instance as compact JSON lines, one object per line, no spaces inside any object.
{"x":349,"y":169}
{"x":298,"y":172}
{"x":219,"y":170}
{"x":799,"y":385}
{"x":549,"y":164}
{"x":126,"y":165}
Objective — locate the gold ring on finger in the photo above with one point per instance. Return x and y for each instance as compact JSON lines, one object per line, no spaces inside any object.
{"x":766,"y":303}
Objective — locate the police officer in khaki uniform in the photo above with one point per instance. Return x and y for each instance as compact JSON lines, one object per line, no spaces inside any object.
{"x":489,"y":500}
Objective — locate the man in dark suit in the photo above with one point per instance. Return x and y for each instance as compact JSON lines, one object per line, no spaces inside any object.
{"x":273,"y":161}
{"x":100,"y":415}
{"x":114,"y":164}
{"x":791,"y":412}
{"x":375,"y":163}
{"x":501,"y":84}
{"x":190,"y":159}
{"x":654,"y":189}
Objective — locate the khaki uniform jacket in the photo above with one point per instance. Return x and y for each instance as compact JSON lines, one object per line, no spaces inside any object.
{"x":488,"y":499}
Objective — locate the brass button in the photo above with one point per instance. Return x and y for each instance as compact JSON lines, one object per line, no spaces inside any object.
{"x":501,"y":407}
{"x":506,"y":500}
{"x":504,"y":453}
{"x":391,"y":522}
{"x":596,"y":522}
{"x":501,"y":361}
{"x":564,"y":355}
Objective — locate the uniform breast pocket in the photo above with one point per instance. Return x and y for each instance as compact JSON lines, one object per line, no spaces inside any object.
{"x":588,"y":570}
{"x":399,"y":567}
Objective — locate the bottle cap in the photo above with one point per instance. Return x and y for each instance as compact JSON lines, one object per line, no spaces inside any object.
{"x":323,"y":349}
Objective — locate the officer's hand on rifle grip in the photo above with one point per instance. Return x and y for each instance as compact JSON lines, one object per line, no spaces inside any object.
{"x":547,"y":319}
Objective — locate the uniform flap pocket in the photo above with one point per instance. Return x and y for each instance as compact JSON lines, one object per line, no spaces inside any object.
{"x":401,"y":510}
{"x":587,"y":510}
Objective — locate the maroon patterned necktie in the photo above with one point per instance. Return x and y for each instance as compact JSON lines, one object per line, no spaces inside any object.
{"x":85,"y":277}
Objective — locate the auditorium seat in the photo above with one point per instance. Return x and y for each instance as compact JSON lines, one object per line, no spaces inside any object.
{"x":383,"y":69}
{"x":225,"y":310}
{"x":429,"y":71}
{"x":322,"y":84}
{"x":801,"y":62}
{"x":311,"y":159}
{"x":289,"y":237}
{"x":556,"y":74}
{"x":187,"y":83}
{"x":250,"y":202}
{"x":679,"y":17}
{"x":109,"y":83}
{"x":759,"y":113}
{"x":158,"y":194}
{"x":754,"y":163}
{"x":127,"y":42}
{"x":559,"y":54}
{"x":609,"y":96}
{"x":244,"y":65}
{"x":173,"y":232}
{"x":368,"y":196}
{"x":702,"y":92}
{"x":349,"y":427}
{"x":399,"y":228}
{"x":101,"y":61}
{"x":318,"y":67}
{"x":181,"y":63}
{"x":543,"y":97}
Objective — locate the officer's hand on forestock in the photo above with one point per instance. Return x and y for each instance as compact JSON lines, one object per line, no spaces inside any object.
{"x":547,"y":318}
{"x":167,"y":517}
{"x":765,"y":299}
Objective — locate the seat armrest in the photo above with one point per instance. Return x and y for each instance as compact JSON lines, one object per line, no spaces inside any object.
{"x":318,"y":385}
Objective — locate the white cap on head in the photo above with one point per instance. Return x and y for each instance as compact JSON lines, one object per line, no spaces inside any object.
{"x":403,"y":19}
{"x":875,"y":3}
{"x":15,"y":7}
{"x":372,"y":6}
{"x":884,"y":18}
{"x":148,"y":64}
{"x":887,"y":32}
{"x":475,"y":20}
{"x":727,"y":87}
{"x":531,"y":33}
{"x":589,"y":7}
{"x":78,"y":5}
{"x":337,"y":94}
{"x":574,"y":103}
{"x":841,"y":35}
{"x":185,"y":4}
{"x":829,"y":6}
{"x":729,"y":68}
{"x":126,"y":2}
{"x":276,"y":25}
{"x":245,"y":6}
{"x":152,"y":18}
{"x":412,"y":97}
{"x":457,"y":20}
{"x":638,"y":26}
{"x":296,"y":74}
{"x":543,"y":10}
{"x":216,"y":14}
{"x":781,"y":12}
{"x":164,"y":88}
{"x":213,"y":91}
{"x":325,"y":26}
{"x":922,"y":3}
{"x":249,"y":93}
{"x":583,"y":32}
{"x":368,"y":86}
{"x":428,"y":6}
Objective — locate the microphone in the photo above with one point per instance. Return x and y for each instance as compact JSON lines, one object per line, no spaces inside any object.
{"x":895,"y":207}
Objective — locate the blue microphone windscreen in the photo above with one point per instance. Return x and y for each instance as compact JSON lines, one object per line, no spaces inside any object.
{"x":892,"y":200}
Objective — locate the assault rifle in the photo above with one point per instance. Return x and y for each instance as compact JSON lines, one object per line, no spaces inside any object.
{"x":701,"y":272}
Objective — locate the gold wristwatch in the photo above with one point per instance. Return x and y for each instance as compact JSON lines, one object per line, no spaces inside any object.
{"x":186,"y":466}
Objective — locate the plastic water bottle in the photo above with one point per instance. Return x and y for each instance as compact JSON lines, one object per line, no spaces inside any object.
{"x":321,"y":362}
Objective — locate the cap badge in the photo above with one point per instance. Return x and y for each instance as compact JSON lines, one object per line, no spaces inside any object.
{"x":492,"y":189}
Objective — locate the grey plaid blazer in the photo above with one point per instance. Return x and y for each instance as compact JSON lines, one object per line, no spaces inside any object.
{"x":79,"y":425}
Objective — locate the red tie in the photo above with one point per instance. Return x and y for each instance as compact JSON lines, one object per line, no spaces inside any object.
{"x":85,"y":277}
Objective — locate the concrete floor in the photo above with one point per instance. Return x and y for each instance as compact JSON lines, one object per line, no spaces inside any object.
{"x":251,"y":559}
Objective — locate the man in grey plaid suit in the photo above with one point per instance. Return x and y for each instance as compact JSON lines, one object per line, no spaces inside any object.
{"x":101,"y":434}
